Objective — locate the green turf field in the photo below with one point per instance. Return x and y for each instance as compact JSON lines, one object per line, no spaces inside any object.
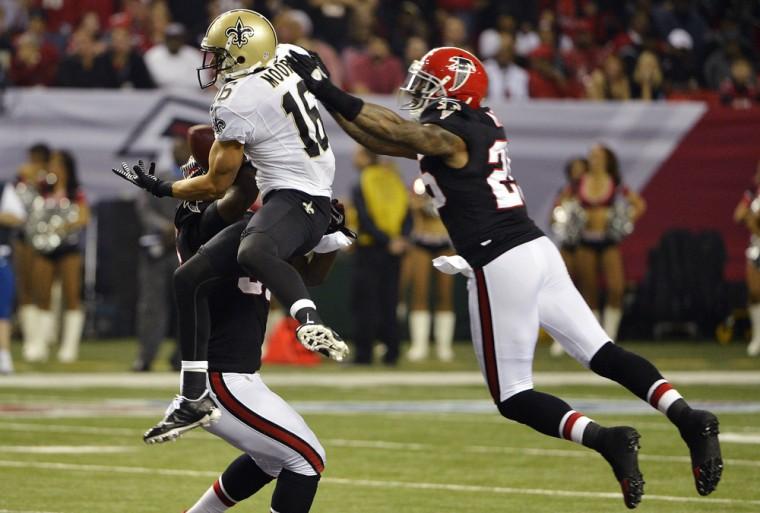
{"x":390,"y":448}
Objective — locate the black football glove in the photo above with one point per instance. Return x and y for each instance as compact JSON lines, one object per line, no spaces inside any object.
{"x":338,"y":220}
{"x":313,"y":72}
{"x":144,"y":179}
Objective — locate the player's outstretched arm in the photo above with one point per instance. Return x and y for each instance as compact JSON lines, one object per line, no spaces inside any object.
{"x":408,"y":137}
{"x":371,"y":142}
{"x":224,"y":160}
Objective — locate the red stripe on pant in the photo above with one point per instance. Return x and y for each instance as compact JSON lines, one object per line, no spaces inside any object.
{"x":658,"y":393}
{"x":221,"y":496}
{"x":486,"y":329}
{"x":567,"y":430}
{"x":263,"y":425}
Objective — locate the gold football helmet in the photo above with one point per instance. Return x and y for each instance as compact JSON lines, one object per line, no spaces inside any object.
{"x":236,"y":43}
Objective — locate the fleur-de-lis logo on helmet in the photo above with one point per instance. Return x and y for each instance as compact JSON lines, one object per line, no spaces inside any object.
{"x":239,"y":33}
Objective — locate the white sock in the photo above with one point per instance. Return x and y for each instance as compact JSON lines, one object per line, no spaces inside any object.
{"x":73,"y":322}
{"x":754,"y":319}
{"x":612,"y":318}
{"x":572,"y":426}
{"x":444,"y":323}
{"x":662,"y":395}
{"x":419,"y":332}
{"x":215,"y":500}
{"x":6,"y":362}
{"x":37,"y":348}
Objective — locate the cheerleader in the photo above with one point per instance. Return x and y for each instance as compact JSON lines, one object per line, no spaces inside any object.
{"x":747,"y":212}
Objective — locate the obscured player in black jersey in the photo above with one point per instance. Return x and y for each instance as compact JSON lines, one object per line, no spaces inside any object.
{"x":276,"y":441}
{"x":518,"y":281}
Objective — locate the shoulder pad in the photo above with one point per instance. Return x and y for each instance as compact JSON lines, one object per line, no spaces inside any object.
{"x":440,"y":110}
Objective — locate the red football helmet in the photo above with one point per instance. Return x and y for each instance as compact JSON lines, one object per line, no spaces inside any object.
{"x":444,"y":72}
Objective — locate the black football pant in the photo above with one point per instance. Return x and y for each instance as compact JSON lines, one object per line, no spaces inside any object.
{"x":375,"y":298}
{"x":289,"y":224}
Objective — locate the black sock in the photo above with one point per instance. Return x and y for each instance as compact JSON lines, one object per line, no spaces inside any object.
{"x":592,"y":435}
{"x":193,"y":384}
{"x":678,"y":412}
{"x":542,"y":412}
{"x":294,"y":493}
{"x":243,"y":478}
{"x":259,"y":257}
{"x":192,"y":282}
{"x":630,"y":370}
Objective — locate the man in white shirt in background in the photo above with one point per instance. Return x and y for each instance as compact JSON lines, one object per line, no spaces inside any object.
{"x":506,"y":79}
{"x":173,"y":63}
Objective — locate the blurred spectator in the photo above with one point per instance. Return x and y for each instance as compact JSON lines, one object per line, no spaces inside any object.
{"x":407,"y":21}
{"x":336,"y":18}
{"x":740,"y":90}
{"x":12,"y":215}
{"x":629,"y":44}
{"x":193,"y":15}
{"x":63,"y":15}
{"x":374,"y":71}
{"x":454,"y":33}
{"x":295,"y":27}
{"x":158,"y":26}
{"x":505,"y":78}
{"x":717,"y":66}
{"x":382,"y":205}
{"x":679,"y":62}
{"x":156,"y":266}
{"x":415,"y":50}
{"x":173,"y":64}
{"x":544,"y":79}
{"x":526,"y":39}
{"x":647,"y":78}
{"x":82,"y":68}
{"x":123,"y":64}
{"x":33,"y":63}
{"x":60,"y":257}
{"x":610,"y":82}
{"x":584,"y":57}
{"x":13,"y":15}
{"x":681,"y":14}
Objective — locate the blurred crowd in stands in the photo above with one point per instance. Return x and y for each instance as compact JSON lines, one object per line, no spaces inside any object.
{"x":595,"y":49}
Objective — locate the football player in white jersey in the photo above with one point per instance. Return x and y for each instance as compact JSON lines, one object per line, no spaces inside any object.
{"x":264,"y":112}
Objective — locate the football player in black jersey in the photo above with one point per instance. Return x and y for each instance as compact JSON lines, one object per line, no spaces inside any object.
{"x":276,"y":441}
{"x":518,"y":281}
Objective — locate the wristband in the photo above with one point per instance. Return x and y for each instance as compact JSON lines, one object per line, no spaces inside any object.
{"x":163,"y":189}
{"x":340,"y":101}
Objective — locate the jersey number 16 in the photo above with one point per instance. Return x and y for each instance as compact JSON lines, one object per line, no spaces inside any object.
{"x":307,"y":130}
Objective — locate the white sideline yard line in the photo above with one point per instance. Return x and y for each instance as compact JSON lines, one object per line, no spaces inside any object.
{"x":377,"y":483}
{"x":23,"y":511}
{"x":365,"y":379}
{"x":65,"y":449}
{"x":375,"y":444}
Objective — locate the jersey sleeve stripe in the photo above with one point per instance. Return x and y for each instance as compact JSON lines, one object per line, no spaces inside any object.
{"x":262,"y":425}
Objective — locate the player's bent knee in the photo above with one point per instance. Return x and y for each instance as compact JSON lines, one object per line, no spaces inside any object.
{"x":254,"y":250}
{"x":607,"y":359}
{"x":517,"y":407}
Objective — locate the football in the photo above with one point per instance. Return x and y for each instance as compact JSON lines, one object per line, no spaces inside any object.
{"x":200,"y":137}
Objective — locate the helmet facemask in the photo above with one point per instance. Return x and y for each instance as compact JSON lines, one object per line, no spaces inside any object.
{"x":419,"y":90}
{"x":215,"y":61}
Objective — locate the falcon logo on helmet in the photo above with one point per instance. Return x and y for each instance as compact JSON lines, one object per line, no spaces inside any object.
{"x":462,"y":69}
{"x":239,"y":33}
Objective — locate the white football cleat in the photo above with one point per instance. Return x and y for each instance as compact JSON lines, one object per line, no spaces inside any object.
{"x":321,"y":339}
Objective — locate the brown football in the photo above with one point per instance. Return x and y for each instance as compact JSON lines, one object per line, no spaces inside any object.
{"x":200,"y":137}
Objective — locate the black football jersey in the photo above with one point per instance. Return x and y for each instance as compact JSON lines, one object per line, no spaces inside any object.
{"x":238,"y":306}
{"x":481,"y":204}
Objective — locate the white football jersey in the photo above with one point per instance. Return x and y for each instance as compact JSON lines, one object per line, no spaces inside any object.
{"x":277,"y":120}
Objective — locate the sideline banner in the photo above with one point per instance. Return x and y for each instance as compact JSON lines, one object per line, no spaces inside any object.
{"x":102,"y":128}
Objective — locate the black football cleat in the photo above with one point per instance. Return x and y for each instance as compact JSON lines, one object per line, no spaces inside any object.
{"x":620,"y":447}
{"x":183,"y":415}
{"x":700,"y":432}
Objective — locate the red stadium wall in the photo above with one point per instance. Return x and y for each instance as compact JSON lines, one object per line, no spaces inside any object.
{"x":699,"y":185}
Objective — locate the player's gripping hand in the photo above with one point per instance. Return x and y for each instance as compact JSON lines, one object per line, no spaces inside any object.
{"x":190,"y":168}
{"x":314,"y":74}
{"x":144,"y":179}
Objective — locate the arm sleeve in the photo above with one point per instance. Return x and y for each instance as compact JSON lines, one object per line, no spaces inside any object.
{"x":230,"y":126}
{"x":11,"y":204}
{"x":366,"y":224}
